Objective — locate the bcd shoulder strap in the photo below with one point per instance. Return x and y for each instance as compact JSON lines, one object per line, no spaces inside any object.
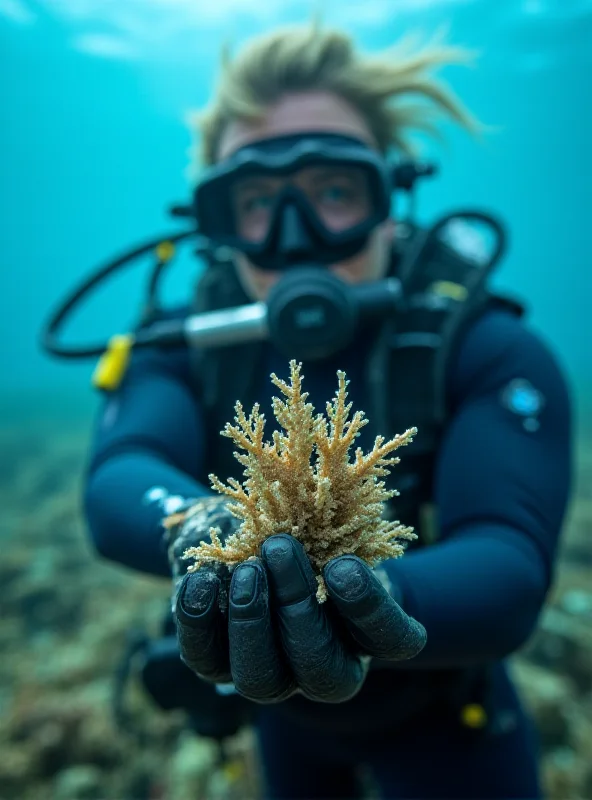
{"x":444,"y":294}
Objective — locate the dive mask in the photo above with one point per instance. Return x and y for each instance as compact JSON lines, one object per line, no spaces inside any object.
{"x":295,"y":200}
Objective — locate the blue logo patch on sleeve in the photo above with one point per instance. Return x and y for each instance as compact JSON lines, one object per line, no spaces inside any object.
{"x":521,"y":398}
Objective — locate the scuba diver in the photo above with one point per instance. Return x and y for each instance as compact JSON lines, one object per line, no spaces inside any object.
{"x":401,"y":674}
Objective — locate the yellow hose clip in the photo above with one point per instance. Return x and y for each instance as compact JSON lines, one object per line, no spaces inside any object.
{"x":165,"y":251}
{"x":455,"y":291}
{"x":113,"y":364}
{"x":473,"y":715}
{"x":234,"y":770}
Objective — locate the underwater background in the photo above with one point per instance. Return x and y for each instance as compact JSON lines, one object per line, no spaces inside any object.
{"x":94,"y":96}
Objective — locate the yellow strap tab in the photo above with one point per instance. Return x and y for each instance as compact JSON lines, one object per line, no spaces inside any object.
{"x":113,"y":363}
{"x":473,"y":715}
{"x":456,"y":291}
{"x":233,"y":770}
{"x":165,"y":251}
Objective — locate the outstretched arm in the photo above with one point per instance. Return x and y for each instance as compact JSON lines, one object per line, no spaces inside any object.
{"x":501,"y":488}
{"x":148,"y":444}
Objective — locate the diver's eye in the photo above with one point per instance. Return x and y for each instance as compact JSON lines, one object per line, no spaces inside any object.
{"x":335,"y":194}
{"x":255,"y":204}
{"x":253,"y":212}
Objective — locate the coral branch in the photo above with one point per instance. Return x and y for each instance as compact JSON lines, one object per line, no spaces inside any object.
{"x":305,"y":483}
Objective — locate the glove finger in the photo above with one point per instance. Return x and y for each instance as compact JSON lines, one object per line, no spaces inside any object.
{"x":259,"y":670}
{"x":376,"y":622}
{"x":202,"y":629}
{"x":324,"y":669}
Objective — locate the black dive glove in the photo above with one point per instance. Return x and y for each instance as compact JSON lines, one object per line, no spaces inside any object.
{"x":263,"y":629}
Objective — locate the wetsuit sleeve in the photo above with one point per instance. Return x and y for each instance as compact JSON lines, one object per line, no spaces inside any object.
{"x":146,"y":456}
{"x":501,"y":487}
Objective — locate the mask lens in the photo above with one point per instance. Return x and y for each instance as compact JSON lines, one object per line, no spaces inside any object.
{"x":253,"y":200}
{"x":338,"y":195}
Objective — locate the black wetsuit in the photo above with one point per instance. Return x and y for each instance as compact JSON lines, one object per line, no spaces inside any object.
{"x":501,"y":484}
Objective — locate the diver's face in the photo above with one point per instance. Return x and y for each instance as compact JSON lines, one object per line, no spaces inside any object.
{"x":342,"y":193}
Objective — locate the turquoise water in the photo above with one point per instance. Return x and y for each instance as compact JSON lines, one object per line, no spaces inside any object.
{"x":94,"y":147}
{"x":93,"y":98}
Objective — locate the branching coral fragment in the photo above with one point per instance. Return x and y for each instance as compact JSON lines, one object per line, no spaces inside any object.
{"x":304,"y":483}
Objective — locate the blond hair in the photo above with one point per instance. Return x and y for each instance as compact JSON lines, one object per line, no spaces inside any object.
{"x":297,"y":59}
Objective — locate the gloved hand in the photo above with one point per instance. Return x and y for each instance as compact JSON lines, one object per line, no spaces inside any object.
{"x":263,"y":629}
